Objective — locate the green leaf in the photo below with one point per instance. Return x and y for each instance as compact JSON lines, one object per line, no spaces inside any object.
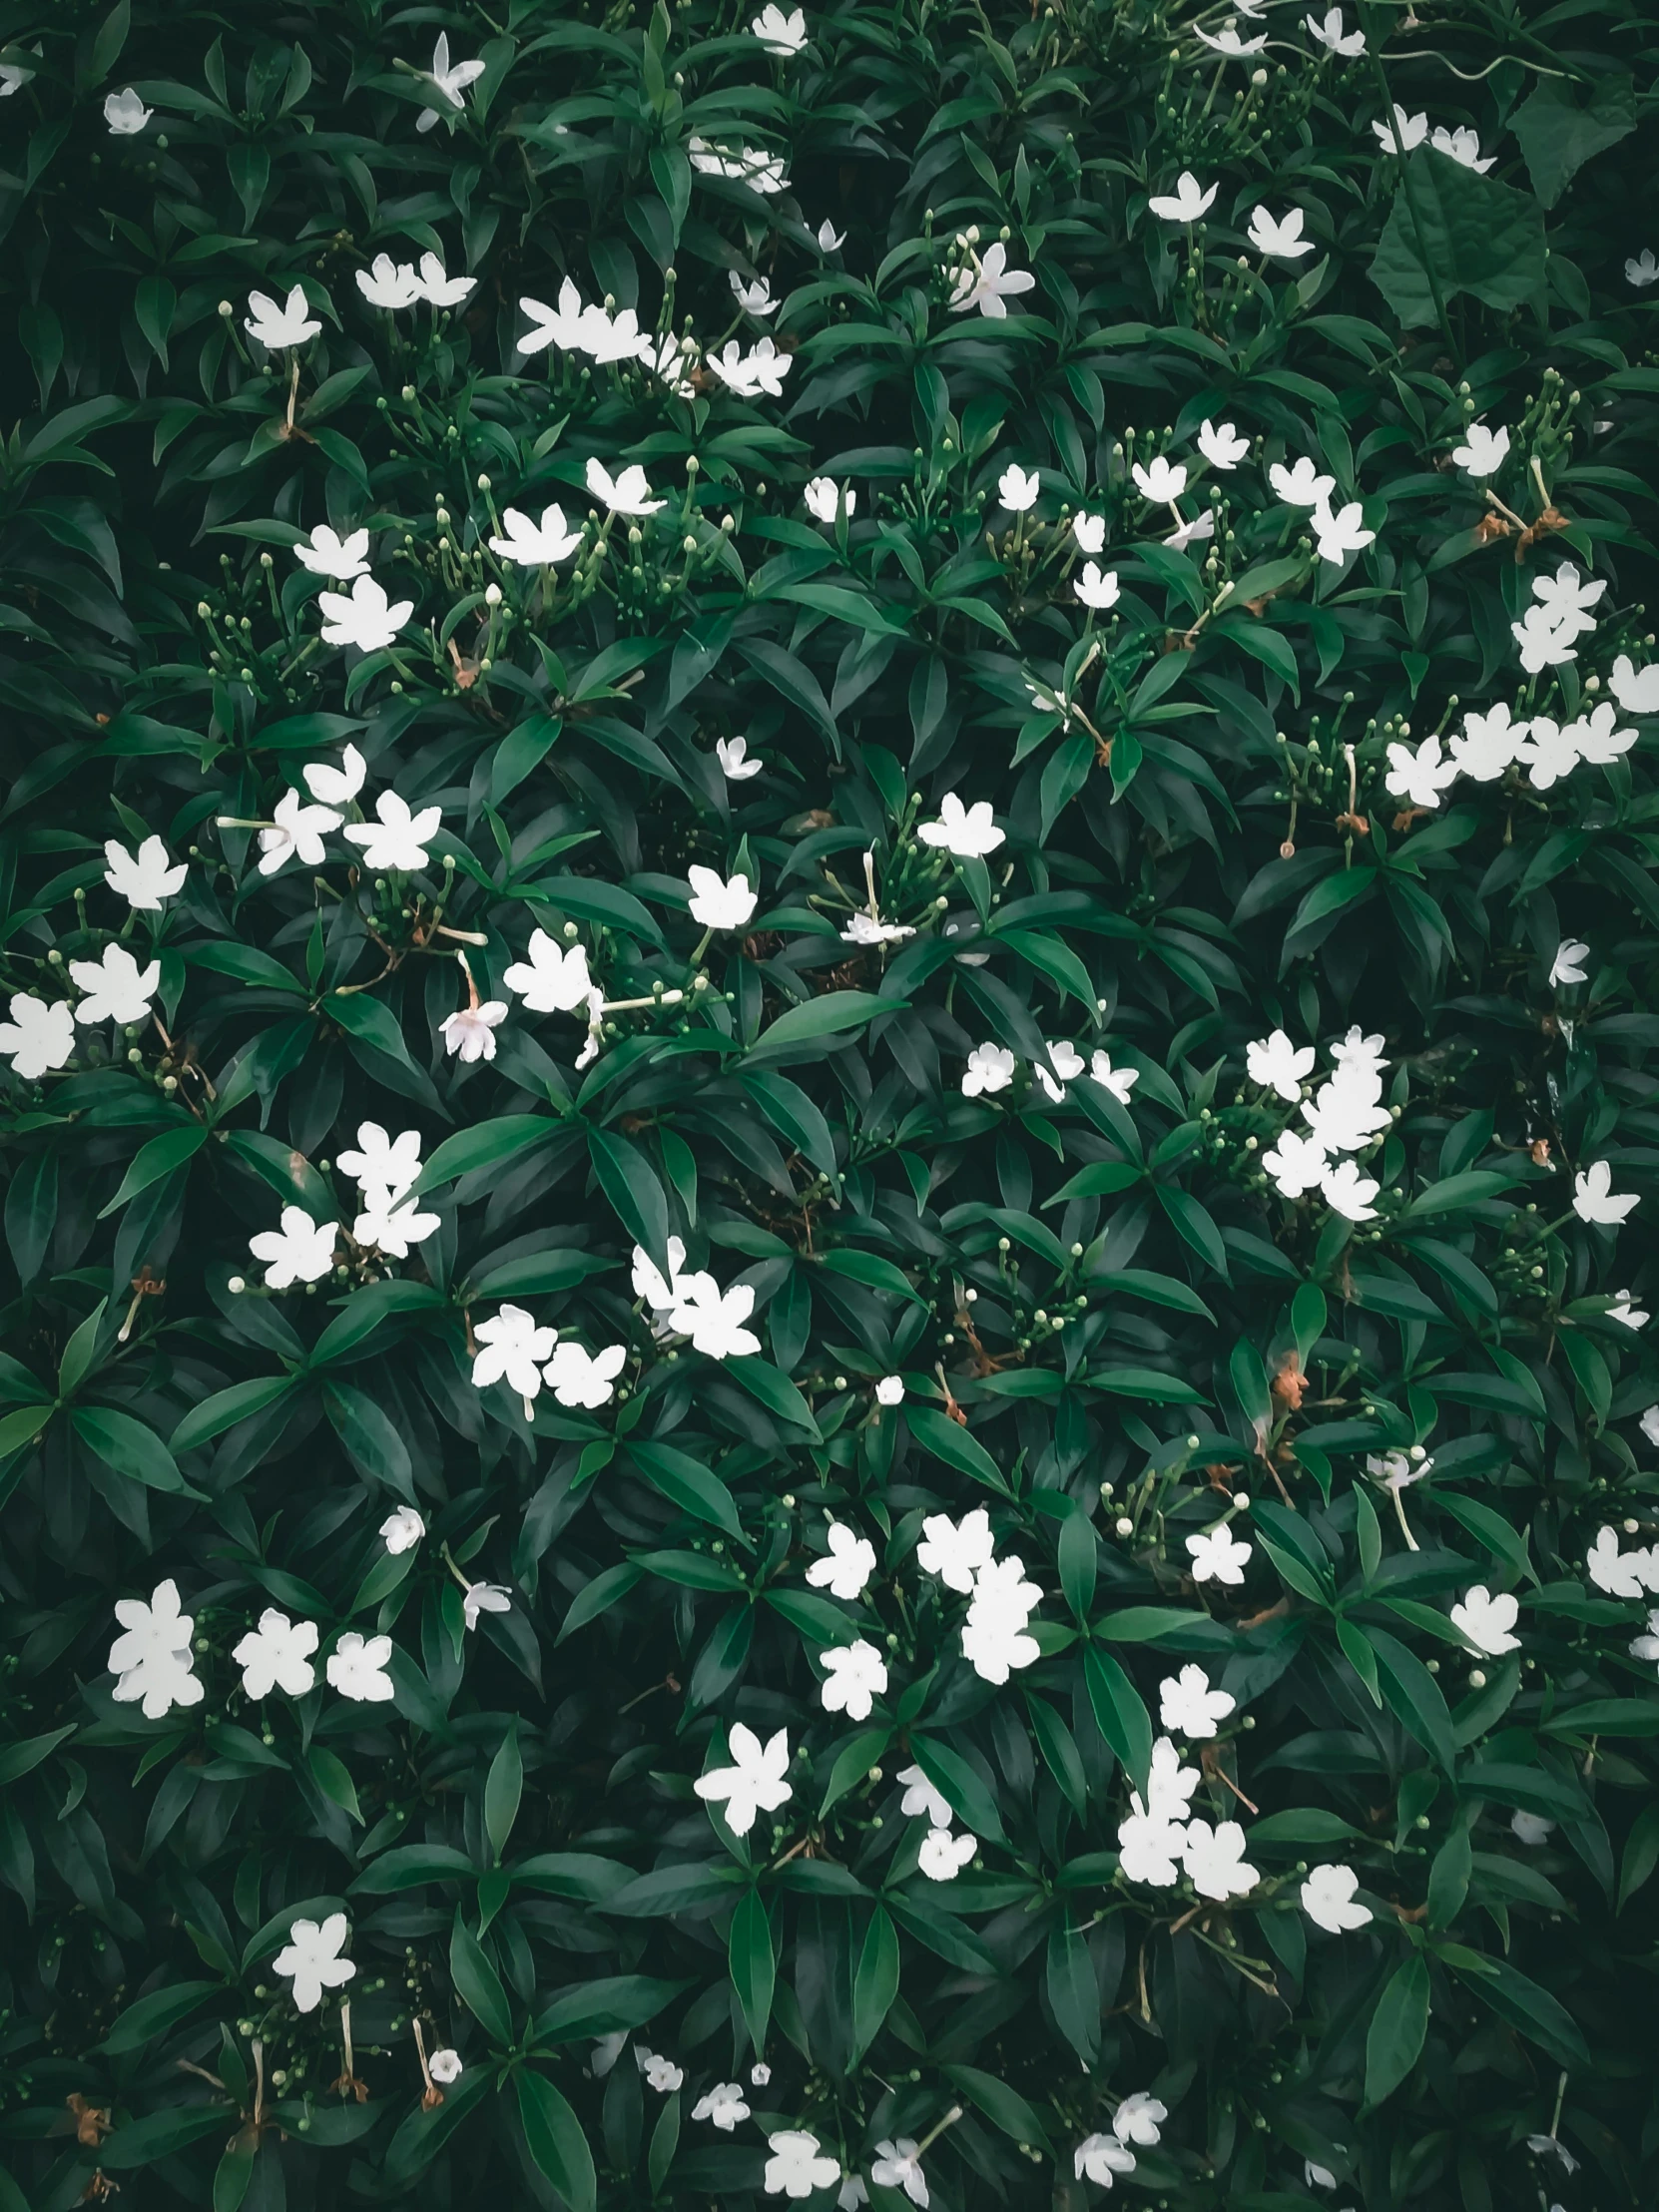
{"x":478,"y":1985}
{"x":555,"y":2140}
{"x":1561,"y":125}
{"x":1120,"y":1713}
{"x":874,"y":1980}
{"x":1397,"y":2029}
{"x":503,"y":1788}
{"x":633,"y":1192}
{"x":961,"y":1785}
{"x":752,"y":1964}
{"x":1481,"y":237}
{"x":127,"y":1445}
{"x":158,"y":1158}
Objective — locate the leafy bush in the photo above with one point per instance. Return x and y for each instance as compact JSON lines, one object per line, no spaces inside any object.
{"x":820,"y":1376}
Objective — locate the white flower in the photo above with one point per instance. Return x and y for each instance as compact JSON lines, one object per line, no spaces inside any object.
{"x":515,"y":1346}
{"x":968,"y":832}
{"x":582,"y":1379}
{"x":867,"y":930}
{"x":996,"y":1643}
{"x":145,"y":879}
{"x":1348,"y":1193}
{"x":626,"y":494}
{"x":1228,"y":41}
{"x":437,"y":287}
{"x":1098,"y":2157}
{"x":1161,"y":481}
{"x":445,"y":2066}
{"x":296,"y":833}
{"x":1296,"y":1164}
{"x":1328,"y":1900}
{"x":1624,"y":1574}
{"x":712,"y":1319}
{"x":830,"y":239}
{"x":1568,"y":963}
{"x":1279,"y":1065}
{"x":534,"y":544}
{"x":606,"y":2051}
{"x":896,"y":2166}
{"x":277,"y":327}
{"x":402,"y":1529}
{"x":1597,"y":736}
{"x":1215,"y":1860}
{"x":847,"y":1567}
{"x":1543,"y":643}
{"x":1300,"y":485}
{"x":1279,"y":238}
{"x":1641,"y":1647}
{"x":1017,"y":490}
{"x":990,"y":287}
{"x":391,"y":1228}
{"x":1221,"y":444}
{"x":943,"y":1856}
{"x":1187,"y":203}
{"x":1488,"y":744}
{"x":117,"y":988}
{"x":152,"y":1655}
{"x":1170,"y":1785}
{"x":1217,"y":1557}
{"x":386,"y":1164}
{"x":990,"y":1068}
{"x":722,"y":2104}
{"x":337,"y":786}
{"x":762,"y":369}
{"x":1119,"y":1081}
{"x":484,"y":1597}
{"x":368,"y":620}
{"x":1403,"y":131}
{"x":1650,"y":1424}
{"x":956,"y":1550}
{"x":398,"y":838}
{"x":734,"y":766}
{"x":1066,"y":1065}
{"x":615,"y":337}
{"x":648,"y":1280}
{"x":1530,"y":1829}
{"x":276,"y":1655}
{"x":312,"y":1956}
{"x":1643,"y":270}
{"x":1189,"y":1707}
{"x":1593,"y":1197}
{"x":856,"y":1674}
{"x":1568,"y":598}
{"x":563,"y":326}
{"x":1138,"y":2119}
{"x":718,"y":902}
{"x":823,"y":499}
{"x":794,"y":2168}
{"x":1189,"y":533}
{"x":890,"y":1391}
{"x":1339,"y":533}
{"x":1485,"y":1621}
{"x":1624,"y":1312}
{"x":1149,"y":1847}
{"x":662,"y":2073}
{"x":450,"y":79}
{"x":329,"y":554}
{"x":300,"y":1251}
{"x":1483,"y":451}
{"x":125,"y":113}
{"x":552,"y":978}
{"x":920,"y":1798}
{"x":1464,"y":145}
{"x":754,"y":1783}
{"x":1318,"y":2177}
{"x":13,"y":77}
{"x":470,"y":1031}
{"x":780,"y":33}
{"x":1331,"y":36}
{"x":755,"y":298}
{"x":1090,"y":532}
{"x":1097,"y":588}
{"x":389,"y":284}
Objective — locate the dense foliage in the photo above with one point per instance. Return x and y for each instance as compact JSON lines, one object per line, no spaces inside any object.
{"x":828,"y":929}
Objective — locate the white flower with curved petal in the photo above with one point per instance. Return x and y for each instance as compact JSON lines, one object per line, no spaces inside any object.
{"x":389,"y":284}
{"x":1149,"y":1847}
{"x":967,"y":832}
{"x":723,"y":2105}
{"x":753,"y":1783}
{"x":1278,"y":237}
{"x":1217,"y":1557}
{"x":1161,"y":480}
{"x":1464,"y":145}
{"x":648,"y":1279}
{"x":995,"y":1645}
{"x":1099,"y":2158}
{"x":1279,"y":1065}
{"x":1215,"y":1860}
{"x":357,"y":1667}
{"x":1340,"y":531}
{"x":1230,"y":42}
{"x":1065,"y":1064}
{"x":718,"y":902}
{"x":337,"y":786}
{"x":145,"y":879}
{"x":1544,"y":643}
{"x":847,"y":1567}
{"x":1594,"y":1199}
{"x":296,"y":833}
{"x":1300,"y":485}
{"x":1139,"y":2118}
{"x":552,"y":978}
{"x":1191,"y":533}
{"x":830,"y":239}
{"x":279,"y":328}
{"x":779,"y":33}
{"x":1568,"y":963}
{"x":1348,"y":1193}
{"x":990,"y":1068}
{"x":1331,"y":35}
{"x":1187,"y":203}
{"x":117,"y":988}
{"x":855,"y":1674}
{"x":484,"y":1597}
{"x":1487,"y":744}
{"x":397,"y":838}
{"x":1419,"y":772}
{"x":991,"y":286}
{"x":124,"y":112}
{"x":300,"y":1251}
{"x":890,"y":1391}
{"x":794,"y":2168}
{"x":956,"y":1550}
{"x":1089,"y":531}
{"x":1648,"y":1646}
{"x":391,"y":1228}
{"x":311,"y":1959}
{"x":449,"y":77}
{"x":1401,"y":131}
{"x":1328,"y":1900}
{"x":329,"y":554}
{"x":755,"y":298}
{"x":626,"y":494}
{"x":402,"y":1529}
{"x":152,"y":1655}
{"x":898,"y":2166}
{"x":437,"y":287}
{"x":941,"y":1855}
{"x":1017,"y":489}
{"x":515,"y":1345}
{"x":823,"y":499}
{"x":921,"y":1799}
{"x":1296,"y":1164}
{"x":1097,"y":588}
{"x":1221,"y":444}
{"x":712,"y":1319}
{"x":578,"y":1377}
{"x":1484,"y":1622}
{"x":1643,"y":270}
{"x":1483,"y":451}
{"x":1621,"y":1574}
{"x":276,"y":1655}
{"x":386,"y":1164}
{"x":368,"y":619}
{"x":732,"y":752}
{"x":535,"y":544}
{"x":445,"y":2066}
{"x":561,"y":326}
{"x":1189,"y":1707}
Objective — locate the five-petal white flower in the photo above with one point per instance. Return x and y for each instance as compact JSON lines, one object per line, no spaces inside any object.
{"x":311,"y":1959}
{"x":753,"y":1783}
